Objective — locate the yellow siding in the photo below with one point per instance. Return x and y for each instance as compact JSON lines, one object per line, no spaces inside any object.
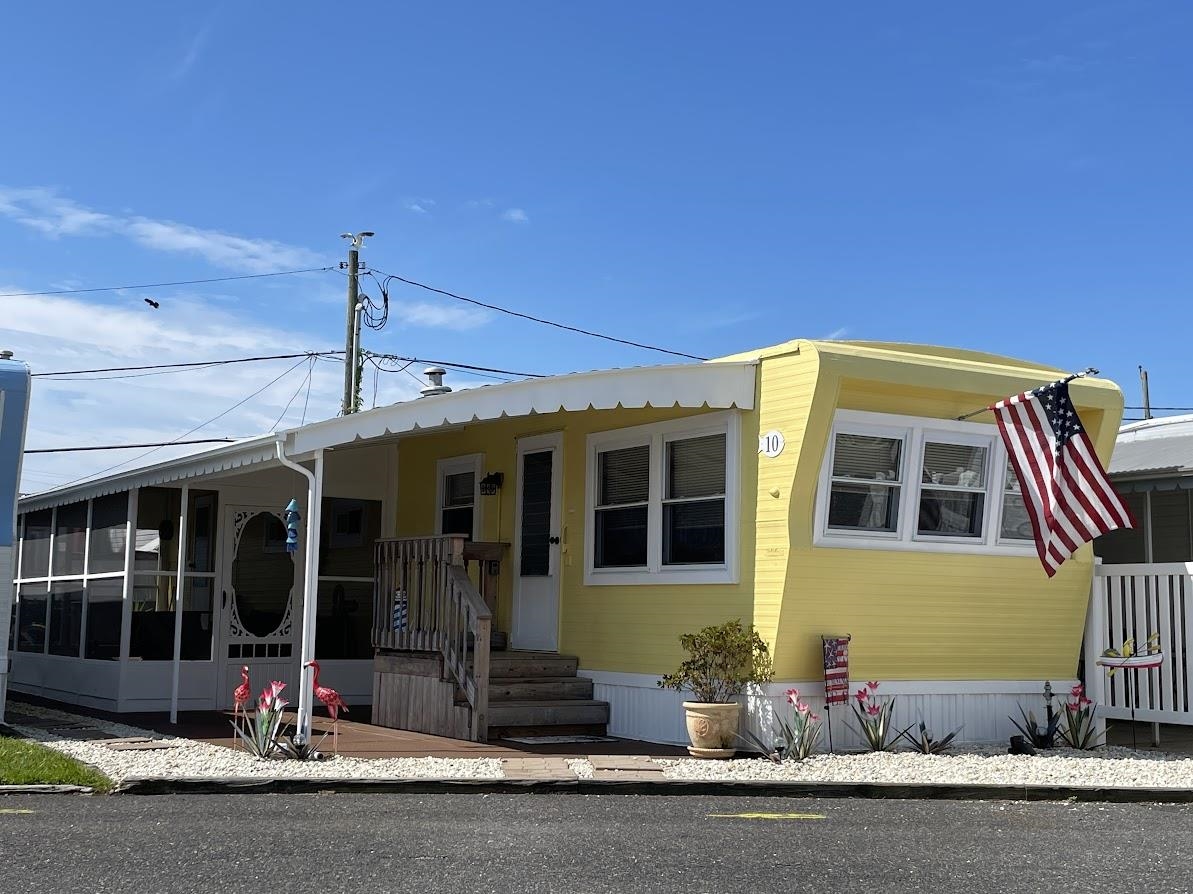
{"x":917,"y":615}
{"x":913,"y":615}
{"x":621,"y":628}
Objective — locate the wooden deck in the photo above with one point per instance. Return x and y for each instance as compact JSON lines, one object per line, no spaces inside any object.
{"x":358,"y":738}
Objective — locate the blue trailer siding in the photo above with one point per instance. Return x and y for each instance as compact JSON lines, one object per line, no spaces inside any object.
{"x":14,"y":414}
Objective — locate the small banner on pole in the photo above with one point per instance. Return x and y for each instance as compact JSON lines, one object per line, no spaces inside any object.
{"x":836,"y":669}
{"x":400,"y":611}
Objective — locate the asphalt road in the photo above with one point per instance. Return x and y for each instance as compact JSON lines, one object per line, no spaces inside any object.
{"x":293,"y":844}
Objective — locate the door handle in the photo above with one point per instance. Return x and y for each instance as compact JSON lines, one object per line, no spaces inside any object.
{"x":553,"y":540}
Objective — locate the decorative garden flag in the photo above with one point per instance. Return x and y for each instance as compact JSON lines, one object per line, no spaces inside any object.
{"x":836,"y":669}
{"x":1065,"y":490}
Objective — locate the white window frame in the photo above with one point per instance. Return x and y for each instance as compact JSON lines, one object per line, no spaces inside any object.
{"x":914,"y":432}
{"x":657,"y":435}
{"x":471,"y":462}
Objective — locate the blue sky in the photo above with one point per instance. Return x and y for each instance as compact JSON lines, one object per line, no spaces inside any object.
{"x":1012,"y":178}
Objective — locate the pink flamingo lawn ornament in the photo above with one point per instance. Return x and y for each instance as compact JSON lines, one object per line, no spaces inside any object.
{"x":334,"y":704}
{"x":240,"y":697}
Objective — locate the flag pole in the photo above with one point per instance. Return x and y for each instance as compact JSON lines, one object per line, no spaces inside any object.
{"x":1088,"y":371}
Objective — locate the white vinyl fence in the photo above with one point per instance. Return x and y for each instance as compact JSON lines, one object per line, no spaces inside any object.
{"x":1133,"y":602}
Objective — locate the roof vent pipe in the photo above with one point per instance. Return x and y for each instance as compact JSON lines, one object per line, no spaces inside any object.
{"x":435,"y":374}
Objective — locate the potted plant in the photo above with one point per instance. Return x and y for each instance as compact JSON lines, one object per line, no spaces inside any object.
{"x":722,"y":660}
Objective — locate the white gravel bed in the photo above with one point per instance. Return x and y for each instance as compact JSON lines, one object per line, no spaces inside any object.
{"x":199,"y":759}
{"x":990,"y":765}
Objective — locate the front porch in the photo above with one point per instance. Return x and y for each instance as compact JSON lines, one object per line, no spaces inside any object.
{"x":442,"y":667}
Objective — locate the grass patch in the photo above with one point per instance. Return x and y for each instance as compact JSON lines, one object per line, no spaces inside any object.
{"x":29,"y":763}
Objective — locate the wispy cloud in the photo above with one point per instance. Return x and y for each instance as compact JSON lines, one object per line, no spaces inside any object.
{"x":835,"y":334}
{"x":193,"y":53}
{"x":479,"y":203}
{"x":441,"y":316}
{"x":46,"y":211}
{"x":57,"y":333}
{"x":515,"y":215}
{"x":419,"y":206}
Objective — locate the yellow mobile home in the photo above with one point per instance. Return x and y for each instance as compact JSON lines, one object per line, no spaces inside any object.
{"x":527,"y":554}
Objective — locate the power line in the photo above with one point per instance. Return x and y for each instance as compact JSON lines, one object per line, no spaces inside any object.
{"x":450,"y":365}
{"x":141,"y":456}
{"x":1188,"y":409}
{"x":514,"y":313}
{"x":161,"y":285}
{"x":131,"y":446}
{"x":194,"y":363}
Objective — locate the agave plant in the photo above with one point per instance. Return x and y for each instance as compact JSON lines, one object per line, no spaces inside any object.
{"x":300,"y":749}
{"x":924,"y":743}
{"x":795,"y":740}
{"x":260,"y":732}
{"x":1079,"y":730}
{"x":875,"y":718}
{"x":1040,"y":736}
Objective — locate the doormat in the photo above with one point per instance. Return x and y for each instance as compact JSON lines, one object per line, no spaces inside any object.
{"x":556,"y":740}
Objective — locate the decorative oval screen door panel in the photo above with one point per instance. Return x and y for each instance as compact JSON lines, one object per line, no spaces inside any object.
{"x":260,"y":622}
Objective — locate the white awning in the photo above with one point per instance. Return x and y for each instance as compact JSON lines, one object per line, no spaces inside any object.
{"x":712,"y":385}
{"x":209,"y":462}
{"x":716,"y":385}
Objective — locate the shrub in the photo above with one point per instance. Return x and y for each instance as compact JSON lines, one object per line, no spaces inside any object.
{"x":722,"y":660}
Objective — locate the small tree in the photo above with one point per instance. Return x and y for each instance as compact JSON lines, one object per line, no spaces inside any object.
{"x":722,"y":660}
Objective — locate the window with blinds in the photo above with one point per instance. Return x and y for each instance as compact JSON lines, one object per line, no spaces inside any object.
{"x":876,"y":461}
{"x":694,"y":501}
{"x":622,"y":509}
{"x":459,"y":503}
{"x":1016,"y":523}
{"x":953,"y":495}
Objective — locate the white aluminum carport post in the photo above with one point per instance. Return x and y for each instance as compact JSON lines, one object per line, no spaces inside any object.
{"x":310,"y":588}
{"x":179,"y":592}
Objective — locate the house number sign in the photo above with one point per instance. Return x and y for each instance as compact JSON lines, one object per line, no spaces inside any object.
{"x":771,"y":444}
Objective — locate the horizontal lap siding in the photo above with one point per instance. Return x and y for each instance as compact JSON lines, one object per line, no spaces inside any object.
{"x":914,"y":615}
{"x":630,"y":628}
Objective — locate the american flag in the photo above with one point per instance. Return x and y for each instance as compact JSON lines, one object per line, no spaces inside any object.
{"x":1065,"y":489}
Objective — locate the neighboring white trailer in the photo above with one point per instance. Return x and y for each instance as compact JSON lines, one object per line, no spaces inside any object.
{"x":14,"y":413}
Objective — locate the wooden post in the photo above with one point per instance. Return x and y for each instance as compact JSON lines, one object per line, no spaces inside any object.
{"x":480,"y":670}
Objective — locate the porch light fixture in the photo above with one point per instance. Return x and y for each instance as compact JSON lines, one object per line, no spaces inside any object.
{"x":491,"y":483}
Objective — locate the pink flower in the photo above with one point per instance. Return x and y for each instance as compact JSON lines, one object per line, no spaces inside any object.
{"x":873,"y":684}
{"x":1077,"y":691}
{"x":1073,"y":706}
{"x":266,"y":699}
{"x":862,"y":694}
{"x":276,"y":687}
{"x":873,"y":710}
{"x":815,"y":718}
{"x":792,"y":696}
{"x":802,"y":707}
{"x":1086,"y":701}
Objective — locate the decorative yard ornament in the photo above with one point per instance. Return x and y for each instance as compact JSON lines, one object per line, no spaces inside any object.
{"x":240,"y":697}
{"x":836,"y":676}
{"x":292,"y":519}
{"x":1066,"y":492}
{"x":334,"y":704}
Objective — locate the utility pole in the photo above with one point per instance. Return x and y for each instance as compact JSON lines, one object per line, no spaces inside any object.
{"x":352,"y":338}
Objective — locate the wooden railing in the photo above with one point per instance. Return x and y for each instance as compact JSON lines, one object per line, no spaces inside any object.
{"x":424,"y":601}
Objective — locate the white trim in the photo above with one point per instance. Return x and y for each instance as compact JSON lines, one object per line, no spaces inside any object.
{"x":454,"y":465}
{"x":914,"y":432}
{"x":656,"y":435}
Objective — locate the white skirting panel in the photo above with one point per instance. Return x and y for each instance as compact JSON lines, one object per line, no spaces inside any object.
{"x":638,"y":709}
{"x":73,"y":681}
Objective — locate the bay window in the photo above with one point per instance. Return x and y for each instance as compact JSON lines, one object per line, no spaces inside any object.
{"x":661,"y":503}
{"x":901,"y":482}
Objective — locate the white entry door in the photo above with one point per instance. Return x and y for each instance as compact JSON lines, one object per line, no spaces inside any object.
{"x":260,"y":618}
{"x":536,"y":543}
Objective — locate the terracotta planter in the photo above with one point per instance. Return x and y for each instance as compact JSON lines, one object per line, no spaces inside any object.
{"x":712,"y":728}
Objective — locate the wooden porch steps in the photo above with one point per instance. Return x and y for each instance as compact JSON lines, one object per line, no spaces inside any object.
{"x":539,"y":693}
